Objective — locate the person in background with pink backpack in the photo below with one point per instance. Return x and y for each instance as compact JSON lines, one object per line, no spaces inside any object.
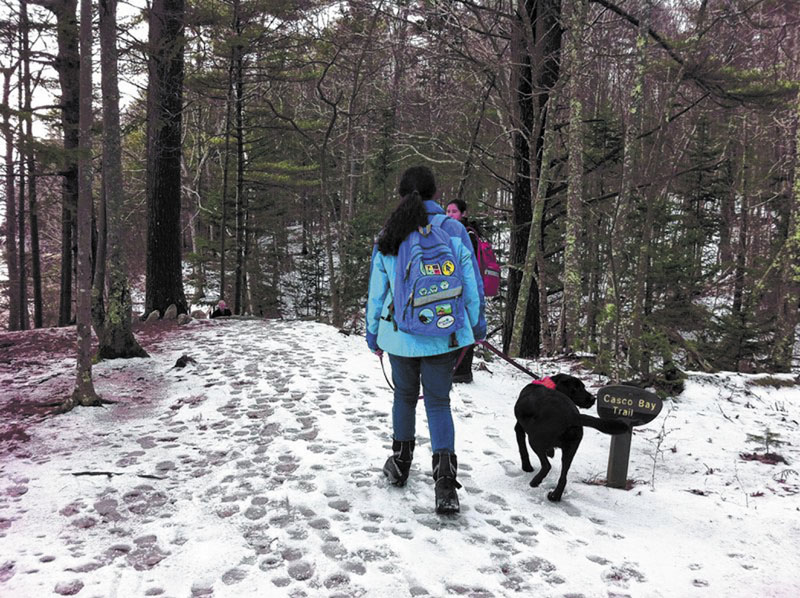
{"x":490,"y":273}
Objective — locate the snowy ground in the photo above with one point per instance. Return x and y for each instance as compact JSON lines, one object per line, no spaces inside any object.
{"x":256,"y":472}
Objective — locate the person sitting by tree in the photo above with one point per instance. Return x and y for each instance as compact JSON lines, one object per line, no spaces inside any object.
{"x":221,"y":310}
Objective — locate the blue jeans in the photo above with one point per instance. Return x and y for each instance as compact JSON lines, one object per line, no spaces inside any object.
{"x":436,"y":372}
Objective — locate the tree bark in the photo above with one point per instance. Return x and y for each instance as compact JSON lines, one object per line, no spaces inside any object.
{"x":535,"y":48}
{"x":619,"y":257}
{"x":788,"y":262}
{"x":164,"y":272}
{"x":241,"y":200}
{"x":84,"y":392}
{"x":99,"y":261}
{"x":533,"y":255}
{"x":226,"y":160}
{"x":27,"y":150}
{"x":24,"y":318}
{"x":11,"y":208}
{"x":116,"y":337}
{"x":739,"y":305}
{"x":570,"y":335}
{"x":67,"y":65}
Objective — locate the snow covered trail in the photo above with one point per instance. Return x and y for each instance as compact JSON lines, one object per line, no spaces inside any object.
{"x":257,"y":471}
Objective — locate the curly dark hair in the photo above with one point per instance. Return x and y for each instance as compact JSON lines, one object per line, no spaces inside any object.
{"x":416,"y":185}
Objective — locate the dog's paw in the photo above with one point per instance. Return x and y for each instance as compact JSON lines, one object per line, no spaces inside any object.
{"x":553,"y":497}
{"x":534,"y":483}
{"x":528,"y":467}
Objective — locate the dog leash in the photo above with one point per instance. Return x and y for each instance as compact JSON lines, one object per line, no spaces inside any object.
{"x":502,"y":355}
{"x":486,"y":344}
{"x":383,"y":369}
{"x":458,"y":362}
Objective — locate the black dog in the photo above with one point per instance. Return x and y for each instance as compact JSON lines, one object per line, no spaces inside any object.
{"x":546,"y":411}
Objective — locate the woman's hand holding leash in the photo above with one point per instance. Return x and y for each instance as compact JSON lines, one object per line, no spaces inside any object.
{"x":372,"y":343}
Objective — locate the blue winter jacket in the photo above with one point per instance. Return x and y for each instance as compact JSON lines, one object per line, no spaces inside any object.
{"x":381,"y":292}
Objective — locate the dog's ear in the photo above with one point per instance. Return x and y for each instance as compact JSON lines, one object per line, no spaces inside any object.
{"x":566,"y":381}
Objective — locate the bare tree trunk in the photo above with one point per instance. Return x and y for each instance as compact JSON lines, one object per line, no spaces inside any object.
{"x":226,"y":159}
{"x":569,"y":335}
{"x":116,"y":338}
{"x":24,"y":317}
{"x":618,"y":258}
{"x":739,"y":307}
{"x":533,"y":254}
{"x":29,"y":157}
{"x":787,"y":319}
{"x":593,"y":292}
{"x":638,"y":360}
{"x":84,"y":393}
{"x":241,"y":200}
{"x":199,"y":159}
{"x":11,"y":208}
{"x":164,"y":113}
{"x":727,"y":215}
{"x":100,"y":261}
{"x":327,"y":215}
{"x":536,"y":44}
{"x":67,"y":66}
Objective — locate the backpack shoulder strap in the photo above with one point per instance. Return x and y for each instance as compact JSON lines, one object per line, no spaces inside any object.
{"x":439,"y":219}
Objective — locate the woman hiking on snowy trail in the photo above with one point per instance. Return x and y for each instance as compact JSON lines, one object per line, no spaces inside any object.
{"x":423,"y":329}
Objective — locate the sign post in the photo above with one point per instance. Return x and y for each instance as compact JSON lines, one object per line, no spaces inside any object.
{"x":634,"y":406}
{"x":619,"y":454}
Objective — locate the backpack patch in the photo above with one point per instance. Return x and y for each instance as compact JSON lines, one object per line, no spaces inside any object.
{"x":428,"y":288}
{"x":488,"y":266}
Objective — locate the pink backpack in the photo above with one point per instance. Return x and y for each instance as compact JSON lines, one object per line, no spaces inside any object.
{"x":487,"y":262}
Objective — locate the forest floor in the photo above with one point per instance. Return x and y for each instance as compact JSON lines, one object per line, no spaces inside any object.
{"x":256,"y":470}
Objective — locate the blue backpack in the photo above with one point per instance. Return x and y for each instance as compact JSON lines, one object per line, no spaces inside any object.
{"x":428,"y":287}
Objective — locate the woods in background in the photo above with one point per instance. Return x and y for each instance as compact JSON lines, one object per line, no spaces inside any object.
{"x":635,"y":165}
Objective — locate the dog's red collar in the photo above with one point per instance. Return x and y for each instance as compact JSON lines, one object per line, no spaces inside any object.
{"x":546,"y":382}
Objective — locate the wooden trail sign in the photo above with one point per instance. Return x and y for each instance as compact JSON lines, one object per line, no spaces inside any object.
{"x":633,"y":405}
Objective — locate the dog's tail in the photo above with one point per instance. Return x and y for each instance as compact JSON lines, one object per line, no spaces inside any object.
{"x":606,"y":426}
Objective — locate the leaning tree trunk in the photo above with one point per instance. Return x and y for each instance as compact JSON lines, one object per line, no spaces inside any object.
{"x":164,"y":286}
{"x":11,"y":209}
{"x":533,"y":256}
{"x":84,"y":393}
{"x":116,"y":339}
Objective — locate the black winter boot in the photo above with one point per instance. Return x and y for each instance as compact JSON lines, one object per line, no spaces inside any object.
{"x":398,"y":465}
{"x":445,"y":466}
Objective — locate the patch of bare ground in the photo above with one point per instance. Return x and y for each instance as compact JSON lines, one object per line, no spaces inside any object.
{"x":37,"y":373}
